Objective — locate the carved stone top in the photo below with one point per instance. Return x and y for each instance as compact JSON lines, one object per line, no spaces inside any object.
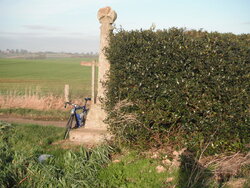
{"x":106,"y":15}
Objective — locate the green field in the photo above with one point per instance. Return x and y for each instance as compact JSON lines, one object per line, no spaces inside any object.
{"x":45,"y":76}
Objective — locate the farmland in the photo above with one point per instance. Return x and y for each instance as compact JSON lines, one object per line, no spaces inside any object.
{"x":45,"y":76}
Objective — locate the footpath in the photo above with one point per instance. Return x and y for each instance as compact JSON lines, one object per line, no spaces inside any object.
{"x":88,"y":136}
{"x":31,"y":121}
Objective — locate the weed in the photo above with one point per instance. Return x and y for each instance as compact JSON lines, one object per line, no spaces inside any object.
{"x":33,"y":102}
{"x":35,"y":114}
{"x":19,"y":166}
{"x":133,"y":170}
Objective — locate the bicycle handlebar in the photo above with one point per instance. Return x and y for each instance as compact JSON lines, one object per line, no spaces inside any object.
{"x":69,"y":103}
{"x":72,"y":104}
{"x":75,"y":105}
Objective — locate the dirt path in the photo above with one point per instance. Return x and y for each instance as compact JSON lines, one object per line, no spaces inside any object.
{"x":30,"y":121}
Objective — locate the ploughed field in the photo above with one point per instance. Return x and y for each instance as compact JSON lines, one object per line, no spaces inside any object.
{"x":45,"y":77}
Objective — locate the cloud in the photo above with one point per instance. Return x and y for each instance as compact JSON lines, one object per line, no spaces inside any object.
{"x":47,"y":8}
{"x":18,"y":34}
{"x":246,"y":23}
{"x":23,"y":34}
{"x":41,"y":27}
{"x":56,"y":44}
{"x":36,"y":34}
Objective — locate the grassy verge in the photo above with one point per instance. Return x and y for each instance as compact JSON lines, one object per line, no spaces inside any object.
{"x":103,"y":166}
{"x":20,"y":147}
{"x":35,"y":114}
{"x":134,"y":170}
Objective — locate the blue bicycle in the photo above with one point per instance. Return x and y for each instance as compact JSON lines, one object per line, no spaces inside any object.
{"x":79,"y":118}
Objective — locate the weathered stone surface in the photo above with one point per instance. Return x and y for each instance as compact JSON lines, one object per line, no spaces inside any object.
{"x":106,"y":14}
{"x":106,"y":17}
{"x":95,"y":129}
{"x":155,"y":155}
{"x":89,"y":135}
{"x":160,"y":169}
{"x":166,"y":162}
{"x":95,"y":118}
{"x":169,"y":180}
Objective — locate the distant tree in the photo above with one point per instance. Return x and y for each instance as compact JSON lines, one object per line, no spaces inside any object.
{"x":23,"y":51}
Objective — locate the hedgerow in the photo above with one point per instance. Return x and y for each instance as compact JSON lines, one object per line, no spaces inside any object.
{"x":193,"y":83}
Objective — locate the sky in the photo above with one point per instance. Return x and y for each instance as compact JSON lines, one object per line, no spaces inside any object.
{"x":72,"y":25}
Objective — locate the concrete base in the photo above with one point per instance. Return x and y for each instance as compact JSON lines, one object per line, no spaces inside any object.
{"x":95,"y":130}
{"x":95,"y":117}
{"x":89,"y":136}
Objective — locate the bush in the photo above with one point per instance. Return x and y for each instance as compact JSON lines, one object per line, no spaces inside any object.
{"x":193,"y":82}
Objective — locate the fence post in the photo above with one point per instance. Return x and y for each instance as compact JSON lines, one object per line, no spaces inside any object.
{"x":93,"y":83}
{"x":66,"y":93}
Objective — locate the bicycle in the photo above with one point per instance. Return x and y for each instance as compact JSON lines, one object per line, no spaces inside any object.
{"x":79,"y":118}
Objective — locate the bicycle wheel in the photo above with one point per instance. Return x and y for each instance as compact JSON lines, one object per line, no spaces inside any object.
{"x":68,"y":126}
{"x":84,"y":117}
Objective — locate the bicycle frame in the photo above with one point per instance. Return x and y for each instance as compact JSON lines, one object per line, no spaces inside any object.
{"x":76,"y":116}
{"x":80,"y":121}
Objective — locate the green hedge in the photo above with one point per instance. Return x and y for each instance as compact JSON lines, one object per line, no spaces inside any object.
{"x":190,"y":84}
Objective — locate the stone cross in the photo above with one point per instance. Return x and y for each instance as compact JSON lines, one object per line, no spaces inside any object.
{"x":95,"y":130}
{"x":106,"y":17}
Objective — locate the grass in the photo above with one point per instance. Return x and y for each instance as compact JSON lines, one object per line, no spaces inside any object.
{"x":35,"y":139}
{"x":32,"y":101}
{"x":133,"y":170}
{"x":35,"y":114}
{"x":31,"y":139}
{"x":20,"y":147}
{"x":22,"y":144}
{"x":35,"y":107}
{"x":45,"y":75}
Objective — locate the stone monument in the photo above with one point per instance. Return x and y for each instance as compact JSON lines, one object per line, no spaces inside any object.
{"x":106,"y":17}
{"x":95,"y":130}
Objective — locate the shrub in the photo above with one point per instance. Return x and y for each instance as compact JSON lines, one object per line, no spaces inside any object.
{"x":193,"y":82}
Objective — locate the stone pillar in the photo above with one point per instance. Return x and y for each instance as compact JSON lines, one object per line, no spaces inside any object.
{"x":106,"y":17}
{"x":96,"y":115}
{"x":95,"y":130}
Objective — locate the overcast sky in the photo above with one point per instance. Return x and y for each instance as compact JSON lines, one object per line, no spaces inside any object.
{"x":72,"y":25}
